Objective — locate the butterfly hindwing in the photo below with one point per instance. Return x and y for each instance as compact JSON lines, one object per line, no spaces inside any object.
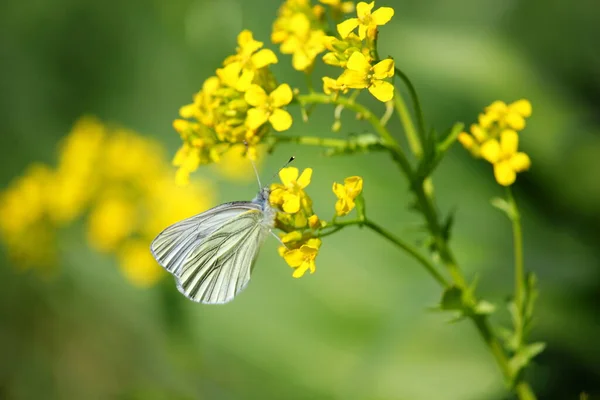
{"x":219,"y":267}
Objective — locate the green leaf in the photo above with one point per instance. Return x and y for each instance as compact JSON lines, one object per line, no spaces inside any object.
{"x":524,"y":355}
{"x":452,"y":299}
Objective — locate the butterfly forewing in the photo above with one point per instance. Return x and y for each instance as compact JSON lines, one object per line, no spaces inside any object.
{"x":172,"y":246}
{"x":219,"y":268}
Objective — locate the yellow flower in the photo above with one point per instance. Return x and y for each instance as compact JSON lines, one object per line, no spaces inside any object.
{"x":314,"y":222}
{"x":331,"y":85}
{"x":138,"y":265}
{"x":346,"y":194}
{"x":366,"y":20}
{"x":299,"y":30}
{"x":303,"y":259}
{"x":235,"y":163}
{"x":240,"y":69}
{"x":339,"y":6}
{"x":110,"y":222}
{"x":269,"y":107}
{"x":290,"y":193}
{"x":360,"y":74}
{"x":341,"y":50}
{"x":507,"y":116}
{"x":504,"y":156}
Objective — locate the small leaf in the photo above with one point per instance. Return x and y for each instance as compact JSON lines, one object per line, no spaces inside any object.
{"x":502,"y":205}
{"x":452,"y":299}
{"x":524,"y":355}
{"x":360,"y":206}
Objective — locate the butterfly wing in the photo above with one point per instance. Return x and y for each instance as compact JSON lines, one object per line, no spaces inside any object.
{"x":218,"y":268}
{"x":172,"y":246}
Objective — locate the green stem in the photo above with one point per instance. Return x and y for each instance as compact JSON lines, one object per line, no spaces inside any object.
{"x":313,"y":141}
{"x":407,"y":247}
{"x":395,"y":149}
{"x":415,"y":100}
{"x":409,"y":128}
{"x":515,"y":218}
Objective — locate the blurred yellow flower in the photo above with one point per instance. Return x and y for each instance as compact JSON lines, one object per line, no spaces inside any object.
{"x":303,"y":258}
{"x":495,"y":139}
{"x":339,"y":6}
{"x":331,"y":85}
{"x":138,"y":265}
{"x":346,"y":194}
{"x":360,"y":74}
{"x":366,"y":22}
{"x":235,"y":164}
{"x":289,"y":194}
{"x":506,"y":116}
{"x":505,"y":157}
{"x":299,"y":30}
{"x":119,"y":179}
{"x":110,"y":222}
{"x":269,"y":107}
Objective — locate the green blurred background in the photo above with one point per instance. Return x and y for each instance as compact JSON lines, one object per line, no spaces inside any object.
{"x":358,"y":328}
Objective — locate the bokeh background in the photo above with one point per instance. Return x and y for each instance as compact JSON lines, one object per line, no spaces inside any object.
{"x":359,"y":327}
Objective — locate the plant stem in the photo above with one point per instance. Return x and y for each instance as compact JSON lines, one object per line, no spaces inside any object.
{"x":407,"y":247}
{"x":411,"y":134}
{"x":395,"y":149}
{"x":313,"y":141}
{"x":415,"y":100}
{"x":515,"y":218}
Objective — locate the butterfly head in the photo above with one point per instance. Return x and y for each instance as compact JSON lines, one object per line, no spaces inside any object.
{"x":262,"y":197}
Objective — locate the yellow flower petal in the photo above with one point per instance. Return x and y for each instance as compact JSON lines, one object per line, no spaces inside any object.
{"x":384,"y":69}
{"x":522,"y":107}
{"x":263,"y":58}
{"x":383,"y":91}
{"x":292,"y":236}
{"x":490,"y":150}
{"x":353,"y":79}
{"x":245,"y":80}
{"x":255,"y":96}
{"x":344,"y":28}
{"x":313,"y":221}
{"x":515,"y":121}
{"x":230,"y":74}
{"x":466,"y":140}
{"x":364,"y":9}
{"x":304,"y":179}
{"x":520,"y":162}
{"x":291,"y":203}
{"x":256,"y":117}
{"x":509,"y":142}
{"x":288,"y":175}
{"x":504,"y":173}
{"x":382,"y":15}
{"x":293,"y":258}
{"x":281,"y":96}
{"x":301,"y":270}
{"x":339,"y":190}
{"x":479,"y":133}
{"x":281,"y":120}
{"x":354,"y":185}
{"x":358,"y":62}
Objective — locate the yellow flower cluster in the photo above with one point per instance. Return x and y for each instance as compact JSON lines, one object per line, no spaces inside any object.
{"x":356,"y":54}
{"x":346,"y":194}
{"x":116,"y":177}
{"x":232,"y":109}
{"x":495,"y":138}
{"x":299,"y":29}
{"x":295,"y":216}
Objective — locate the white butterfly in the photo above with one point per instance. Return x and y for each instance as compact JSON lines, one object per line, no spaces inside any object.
{"x":211,"y":254}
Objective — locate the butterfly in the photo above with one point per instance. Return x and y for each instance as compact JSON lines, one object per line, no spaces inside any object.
{"x":211,"y":254}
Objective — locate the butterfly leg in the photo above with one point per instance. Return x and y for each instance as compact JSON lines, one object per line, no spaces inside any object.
{"x":279,"y":239}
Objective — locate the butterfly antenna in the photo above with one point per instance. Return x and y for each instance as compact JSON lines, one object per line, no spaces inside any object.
{"x":253,"y":166}
{"x":292,"y":158}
